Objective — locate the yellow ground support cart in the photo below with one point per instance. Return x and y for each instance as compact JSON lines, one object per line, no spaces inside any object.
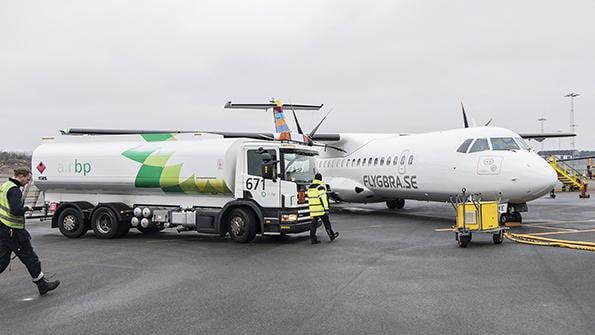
{"x":474,"y":215}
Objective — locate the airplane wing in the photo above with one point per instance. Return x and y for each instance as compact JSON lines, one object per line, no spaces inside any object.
{"x":539,"y":137}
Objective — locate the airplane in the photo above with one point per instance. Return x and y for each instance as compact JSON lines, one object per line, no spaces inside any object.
{"x":493,"y":162}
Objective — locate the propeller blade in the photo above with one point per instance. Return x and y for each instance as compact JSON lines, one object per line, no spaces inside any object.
{"x":297,"y":123}
{"x":488,"y":123}
{"x":318,"y":125}
{"x":464,"y":116}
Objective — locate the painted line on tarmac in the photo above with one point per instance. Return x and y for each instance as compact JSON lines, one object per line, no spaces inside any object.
{"x":575,"y":231}
{"x":533,"y":223}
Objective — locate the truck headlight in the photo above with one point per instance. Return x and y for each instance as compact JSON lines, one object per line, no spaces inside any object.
{"x":289,"y":217}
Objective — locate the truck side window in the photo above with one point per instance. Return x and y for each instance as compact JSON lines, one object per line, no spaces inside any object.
{"x":255,"y":161}
{"x":465,"y":145}
{"x":481,"y":144}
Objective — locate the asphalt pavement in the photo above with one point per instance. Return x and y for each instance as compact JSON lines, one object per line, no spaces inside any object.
{"x":390,"y":272}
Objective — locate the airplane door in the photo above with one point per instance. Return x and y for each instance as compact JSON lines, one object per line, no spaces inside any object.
{"x":403,"y":162}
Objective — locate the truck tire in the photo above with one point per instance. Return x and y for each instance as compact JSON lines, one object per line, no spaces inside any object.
{"x":71,"y":223}
{"x":105,"y":223}
{"x":241,"y":225}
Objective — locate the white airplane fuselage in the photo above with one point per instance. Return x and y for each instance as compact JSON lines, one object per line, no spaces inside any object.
{"x":429,"y":167}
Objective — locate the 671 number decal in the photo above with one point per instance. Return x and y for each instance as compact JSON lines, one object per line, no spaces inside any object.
{"x":254,"y":184}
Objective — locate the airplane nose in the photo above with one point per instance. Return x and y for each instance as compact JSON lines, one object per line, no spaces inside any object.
{"x":545,"y":177}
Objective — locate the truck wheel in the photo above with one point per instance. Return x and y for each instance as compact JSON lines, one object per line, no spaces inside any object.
{"x":71,"y":223}
{"x":105,"y":223}
{"x":241,"y":223}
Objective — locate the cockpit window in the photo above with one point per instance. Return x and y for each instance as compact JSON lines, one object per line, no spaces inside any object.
{"x":463,"y":148}
{"x":504,"y":143}
{"x":481,"y":144}
{"x":522,"y":143}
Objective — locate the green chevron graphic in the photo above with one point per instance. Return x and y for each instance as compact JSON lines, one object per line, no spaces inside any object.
{"x":155,"y":173}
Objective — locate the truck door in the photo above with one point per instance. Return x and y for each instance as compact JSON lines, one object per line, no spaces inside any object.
{"x":263,"y":189}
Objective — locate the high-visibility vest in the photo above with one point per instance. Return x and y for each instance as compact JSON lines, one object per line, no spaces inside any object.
{"x":317,"y":200}
{"x":12,"y":221}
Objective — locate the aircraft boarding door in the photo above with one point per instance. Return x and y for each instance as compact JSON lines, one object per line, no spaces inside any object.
{"x":264,"y":189}
{"x":403,"y":162}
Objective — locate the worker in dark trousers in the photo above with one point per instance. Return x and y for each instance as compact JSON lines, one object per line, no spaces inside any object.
{"x":318,"y":204}
{"x":13,"y":235}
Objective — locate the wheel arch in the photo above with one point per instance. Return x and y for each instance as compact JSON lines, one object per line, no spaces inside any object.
{"x":82,"y":206}
{"x":123,"y":211}
{"x":251,"y":205}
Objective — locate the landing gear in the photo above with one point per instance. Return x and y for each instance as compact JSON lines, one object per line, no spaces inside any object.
{"x":510,"y":217}
{"x":397,"y":203}
{"x":553,"y":194}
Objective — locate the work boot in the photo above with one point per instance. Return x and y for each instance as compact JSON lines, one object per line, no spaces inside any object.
{"x":334,"y":235}
{"x":45,"y":286}
{"x":315,"y":241}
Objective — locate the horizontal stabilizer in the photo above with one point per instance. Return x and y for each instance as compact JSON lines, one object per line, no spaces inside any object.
{"x":266,"y":106}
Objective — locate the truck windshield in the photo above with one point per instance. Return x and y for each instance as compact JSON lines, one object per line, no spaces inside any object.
{"x":298,"y":167}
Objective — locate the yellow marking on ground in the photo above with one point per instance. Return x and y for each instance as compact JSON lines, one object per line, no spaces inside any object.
{"x":546,"y":227}
{"x":564,"y":232}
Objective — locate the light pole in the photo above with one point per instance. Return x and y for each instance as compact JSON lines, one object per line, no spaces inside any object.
{"x":542,"y":119}
{"x":572,"y":95}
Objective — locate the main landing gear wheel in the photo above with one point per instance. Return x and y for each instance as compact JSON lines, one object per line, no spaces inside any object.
{"x":397,"y":203}
{"x":71,"y":223}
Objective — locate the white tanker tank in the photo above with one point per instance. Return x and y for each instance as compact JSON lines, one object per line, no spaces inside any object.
{"x":183,"y":180}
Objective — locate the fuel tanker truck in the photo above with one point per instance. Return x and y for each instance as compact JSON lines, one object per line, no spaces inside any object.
{"x":191,"y":182}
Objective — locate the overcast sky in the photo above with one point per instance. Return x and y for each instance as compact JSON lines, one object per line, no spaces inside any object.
{"x":381,"y":66}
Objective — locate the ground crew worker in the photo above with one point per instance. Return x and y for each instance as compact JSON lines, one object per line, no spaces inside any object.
{"x":13,"y":235}
{"x":318,"y":204}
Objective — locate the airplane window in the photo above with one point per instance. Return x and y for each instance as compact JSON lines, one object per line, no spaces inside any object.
{"x":396,"y":160}
{"x":504,"y":143}
{"x":410,"y":160}
{"x":382,"y":161}
{"x":375,"y":161}
{"x":481,"y":144}
{"x":388,"y":160}
{"x":348,"y":161}
{"x":403,"y":160}
{"x":522,"y":143}
{"x":353,"y":162}
{"x":370,"y":161}
{"x":463,"y":148}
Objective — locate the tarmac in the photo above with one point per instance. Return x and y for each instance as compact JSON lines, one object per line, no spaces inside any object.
{"x":390,"y":272}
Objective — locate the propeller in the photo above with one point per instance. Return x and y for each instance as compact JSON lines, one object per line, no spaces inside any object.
{"x":466,"y":122}
{"x":308,"y":137}
{"x":464,"y":116}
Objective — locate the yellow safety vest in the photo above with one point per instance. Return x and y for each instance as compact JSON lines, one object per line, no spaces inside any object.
{"x":12,"y":221}
{"x":317,"y":200}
